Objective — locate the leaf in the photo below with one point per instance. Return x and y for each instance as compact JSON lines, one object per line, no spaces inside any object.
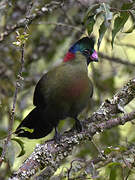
{"x":115,"y":168}
{"x":1,"y":149}
{"x":122,"y":148}
{"x":127,"y":6}
{"x":130,"y":29}
{"x":21,"y":146}
{"x":107,"y":150}
{"x":118,"y":149}
{"x":91,"y":11}
{"x":90,"y":24}
{"x":17,"y":43}
{"x":102,"y":31}
{"x":89,"y":20}
{"x":121,"y":20}
{"x":113,"y":173}
{"x":107,"y":14}
{"x":21,"y":38}
{"x":132,"y":14}
{"x":119,"y":24}
{"x":111,"y":164}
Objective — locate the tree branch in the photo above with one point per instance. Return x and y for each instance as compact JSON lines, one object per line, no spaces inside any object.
{"x":116,"y":60}
{"x":22,"y":23}
{"x":12,"y":115}
{"x":49,"y":155}
{"x":90,"y":167}
{"x":113,"y":106}
{"x":17,"y":86}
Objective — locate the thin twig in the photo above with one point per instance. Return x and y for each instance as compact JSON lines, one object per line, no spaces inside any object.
{"x":12,"y":115}
{"x":125,"y":44}
{"x":119,"y":10}
{"x":129,"y":166}
{"x":64,"y":25}
{"x":22,"y":23}
{"x":98,"y":149}
{"x":116,"y":60}
{"x":71,"y":166}
{"x":17,"y":86}
{"x":129,"y":172}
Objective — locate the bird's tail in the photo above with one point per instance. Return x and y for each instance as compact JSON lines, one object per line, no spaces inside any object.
{"x":35,"y":125}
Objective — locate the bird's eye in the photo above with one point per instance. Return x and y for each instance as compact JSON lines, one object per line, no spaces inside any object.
{"x":86,"y":52}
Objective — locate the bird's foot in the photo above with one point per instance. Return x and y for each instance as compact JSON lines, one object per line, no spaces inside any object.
{"x":57,"y":136}
{"x":78,"y":125}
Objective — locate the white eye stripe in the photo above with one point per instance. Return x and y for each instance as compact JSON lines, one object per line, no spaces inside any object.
{"x":86,"y":52}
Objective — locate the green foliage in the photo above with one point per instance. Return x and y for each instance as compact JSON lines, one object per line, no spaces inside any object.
{"x":21,"y":144}
{"x":130,"y":30}
{"x":1,"y":149}
{"x":89,"y":24}
{"x":3,"y":132}
{"x":21,"y":38}
{"x":119,"y":24}
{"x":114,"y":169}
{"x":102,"y":31}
{"x":107,"y":13}
{"x":89,"y":19}
{"x":111,"y":149}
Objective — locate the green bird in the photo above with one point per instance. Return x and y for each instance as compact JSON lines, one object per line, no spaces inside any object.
{"x":62,"y":92}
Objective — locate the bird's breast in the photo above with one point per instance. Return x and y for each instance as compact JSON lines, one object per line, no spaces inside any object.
{"x":77,"y":88}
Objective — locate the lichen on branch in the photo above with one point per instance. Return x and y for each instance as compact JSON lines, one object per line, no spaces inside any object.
{"x":50,"y":154}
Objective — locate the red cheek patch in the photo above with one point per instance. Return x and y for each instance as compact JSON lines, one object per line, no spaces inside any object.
{"x":69,"y":56}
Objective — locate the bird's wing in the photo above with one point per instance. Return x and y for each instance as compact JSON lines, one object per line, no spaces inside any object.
{"x":38,"y":98}
{"x":45,"y":87}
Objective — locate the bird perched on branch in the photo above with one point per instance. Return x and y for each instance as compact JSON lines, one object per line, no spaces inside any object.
{"x":62,"y":92}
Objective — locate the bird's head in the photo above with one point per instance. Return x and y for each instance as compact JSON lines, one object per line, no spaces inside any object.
{"x":86,"y":47}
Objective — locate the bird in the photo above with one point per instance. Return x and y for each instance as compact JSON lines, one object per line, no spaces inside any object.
{"x":64,"y":91}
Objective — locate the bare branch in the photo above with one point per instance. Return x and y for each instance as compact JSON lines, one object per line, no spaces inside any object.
{"x":116,"y":60}
{"x":11,"y":122}
{"x":125,"y":44}
{"x":17,"y":86}
{"x":22,"y":23}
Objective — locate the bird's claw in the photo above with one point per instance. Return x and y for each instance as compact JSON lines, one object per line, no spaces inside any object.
{"x":57,"y":136}
{"x":78,"y":125}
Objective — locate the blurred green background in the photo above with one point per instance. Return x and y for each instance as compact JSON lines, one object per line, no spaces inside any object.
{"x":49,"y":38}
